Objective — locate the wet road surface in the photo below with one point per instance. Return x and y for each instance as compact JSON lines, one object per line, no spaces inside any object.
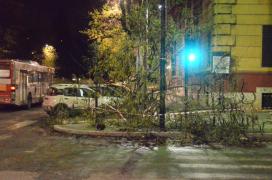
{"x":29,"y":150}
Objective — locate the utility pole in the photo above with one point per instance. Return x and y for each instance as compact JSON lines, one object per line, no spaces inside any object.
{"x":162,"y":65}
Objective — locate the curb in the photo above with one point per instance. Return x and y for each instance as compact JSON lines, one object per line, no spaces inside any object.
{"x":264,"y":136}
{"x":140,"y":135}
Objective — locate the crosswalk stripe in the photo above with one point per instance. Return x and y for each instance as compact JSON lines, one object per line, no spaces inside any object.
{"x":224,"y":159}
{"x":225,"y":166}
{"x":225,"y":176}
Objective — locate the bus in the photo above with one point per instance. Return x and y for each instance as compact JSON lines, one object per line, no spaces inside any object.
{"x":23,"y":82}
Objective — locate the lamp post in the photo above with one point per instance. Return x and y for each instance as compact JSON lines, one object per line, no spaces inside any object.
{"x":162,"y":65}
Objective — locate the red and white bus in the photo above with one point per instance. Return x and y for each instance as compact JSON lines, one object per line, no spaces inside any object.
{"x":23,"y":82}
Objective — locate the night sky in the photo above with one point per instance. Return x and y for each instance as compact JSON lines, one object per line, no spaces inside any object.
{"x":53,"y":22}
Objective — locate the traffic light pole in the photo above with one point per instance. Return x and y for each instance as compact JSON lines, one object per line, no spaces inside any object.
{"x":162,"y":66}
{"x":186,"y":75}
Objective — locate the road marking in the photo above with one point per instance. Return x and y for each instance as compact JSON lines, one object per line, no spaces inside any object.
{"x":221,"y":158}
{"x":21,"y":125}
{"x":224,"y":176}
{"x":225,"y":166}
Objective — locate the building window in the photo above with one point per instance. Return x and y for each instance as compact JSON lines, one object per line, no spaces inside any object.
{"x":267,"y":100}
{"x":267,"y":46}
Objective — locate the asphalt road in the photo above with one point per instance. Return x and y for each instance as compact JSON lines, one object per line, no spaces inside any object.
{"x":29,"y":150}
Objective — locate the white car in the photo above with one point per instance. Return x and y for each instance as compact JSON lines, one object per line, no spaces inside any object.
{"x":72,"y":96}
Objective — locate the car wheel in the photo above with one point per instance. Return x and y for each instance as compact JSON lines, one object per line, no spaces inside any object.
{"x":61,"y":110}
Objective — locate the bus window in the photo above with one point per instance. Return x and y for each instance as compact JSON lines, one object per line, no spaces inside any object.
{"x":39,"y":77}
{"x":35,"y":77}
{"x":44,"y":77}
{"x":29,"y":78}
{"x":4,"y":71}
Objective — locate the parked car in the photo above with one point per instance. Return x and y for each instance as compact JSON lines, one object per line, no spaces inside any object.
{"x":72,"y":97}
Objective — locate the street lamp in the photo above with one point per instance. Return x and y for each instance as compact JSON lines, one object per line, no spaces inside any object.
{"x":160,"y":6}
{"x":50,"y":55}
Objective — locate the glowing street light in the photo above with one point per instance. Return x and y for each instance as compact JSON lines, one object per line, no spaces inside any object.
{"x":159,"y":6}
{"x":50,"y":55}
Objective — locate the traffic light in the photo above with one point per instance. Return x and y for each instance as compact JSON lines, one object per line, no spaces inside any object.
{"x":192,"y":56}
{"x":191,"y":52}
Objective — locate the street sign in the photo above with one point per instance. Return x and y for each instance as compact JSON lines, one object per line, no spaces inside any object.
{"x":221,"y":64}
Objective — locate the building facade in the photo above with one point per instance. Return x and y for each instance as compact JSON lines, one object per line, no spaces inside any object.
{"x":239,"y":31}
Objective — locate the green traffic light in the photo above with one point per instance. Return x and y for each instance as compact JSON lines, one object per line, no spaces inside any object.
{"x":192,"y":57}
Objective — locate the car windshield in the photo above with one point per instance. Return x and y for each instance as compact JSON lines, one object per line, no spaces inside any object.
{"x":54,"y":91}
{"x":79,"y":92}
{"x":70,"y":92}
{"x":113,"y":91}
{"x":83,"y":92}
